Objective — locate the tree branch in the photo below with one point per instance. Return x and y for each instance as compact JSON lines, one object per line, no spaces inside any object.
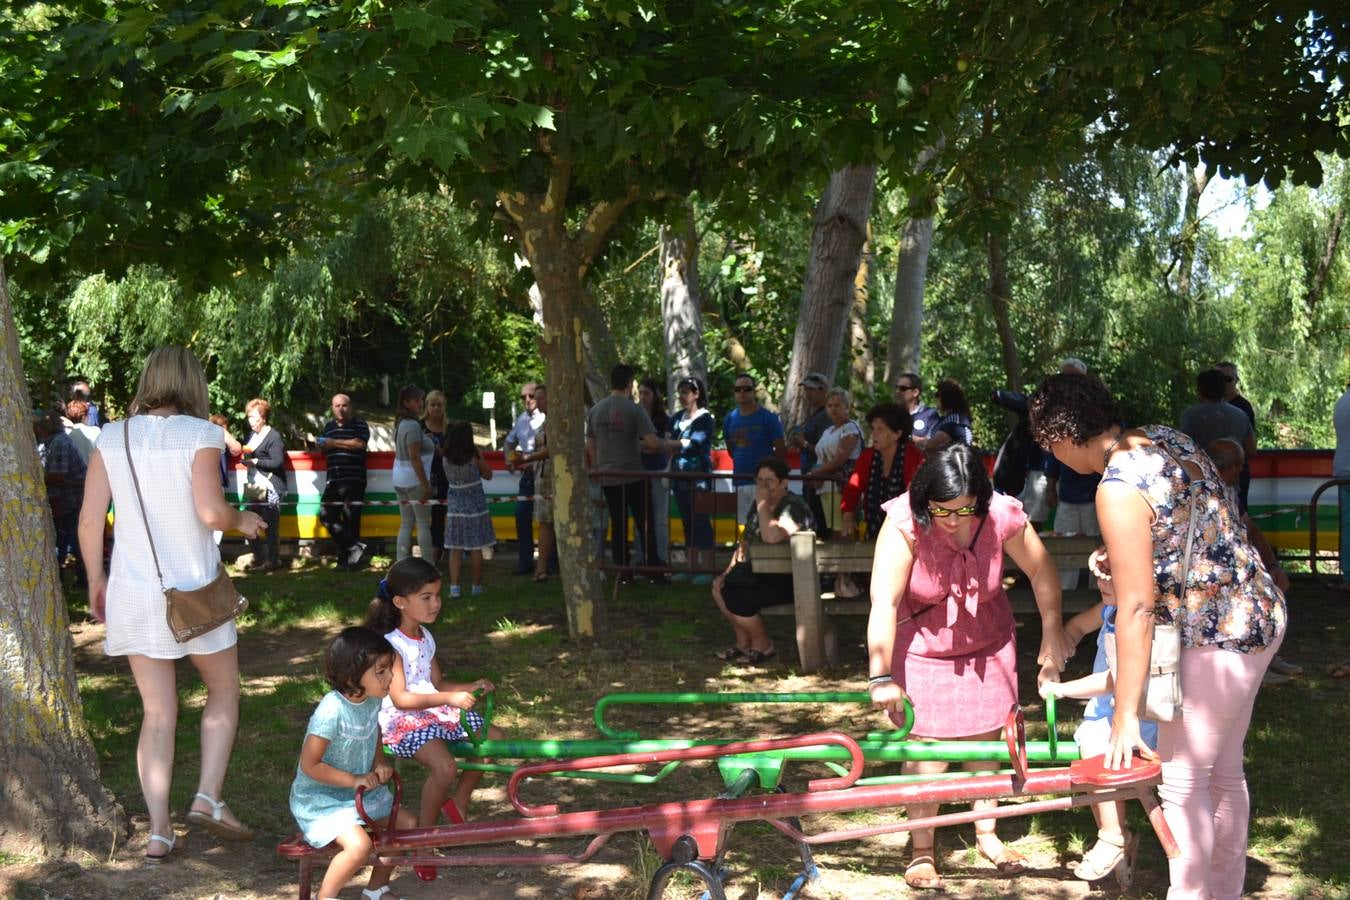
{"x":590,"y":237}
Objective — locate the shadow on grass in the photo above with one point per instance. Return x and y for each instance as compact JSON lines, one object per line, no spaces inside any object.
{"x":662,"y":639}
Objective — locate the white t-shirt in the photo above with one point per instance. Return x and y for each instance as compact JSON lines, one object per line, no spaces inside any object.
{"x":828,"y":447}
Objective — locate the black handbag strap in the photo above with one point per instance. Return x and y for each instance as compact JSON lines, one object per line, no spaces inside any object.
{"x":135,"y":483}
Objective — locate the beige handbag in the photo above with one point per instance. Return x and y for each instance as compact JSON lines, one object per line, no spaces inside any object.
{"x":194,"y":612}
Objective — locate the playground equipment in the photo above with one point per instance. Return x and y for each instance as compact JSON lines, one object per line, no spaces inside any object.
{"x":692,"y":835}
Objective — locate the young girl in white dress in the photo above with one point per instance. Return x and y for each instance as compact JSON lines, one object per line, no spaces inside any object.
{"x":341,"y":753}
{"x":423,"y":710}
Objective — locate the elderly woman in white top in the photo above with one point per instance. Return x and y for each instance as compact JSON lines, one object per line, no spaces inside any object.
{"x":837,"y":450}
{"x":177,"y":463}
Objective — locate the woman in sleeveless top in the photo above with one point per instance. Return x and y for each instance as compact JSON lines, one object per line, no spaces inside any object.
{"x":177,"y":458}
{"x":941,"y":630}
{"x":1231,"y":614}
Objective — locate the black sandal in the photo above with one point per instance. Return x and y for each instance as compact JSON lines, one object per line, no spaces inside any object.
{"x":732,"y":654}
{"x":759,"y":657}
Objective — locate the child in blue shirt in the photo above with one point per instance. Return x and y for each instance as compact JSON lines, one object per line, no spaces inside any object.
{"x":341,"y":753}
{"x":1116,"y":847}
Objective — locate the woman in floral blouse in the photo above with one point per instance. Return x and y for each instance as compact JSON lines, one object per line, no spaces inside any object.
{"x":1231,"y":613}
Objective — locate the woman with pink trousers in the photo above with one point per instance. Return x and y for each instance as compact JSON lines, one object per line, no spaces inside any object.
{"x":1231,"y":614}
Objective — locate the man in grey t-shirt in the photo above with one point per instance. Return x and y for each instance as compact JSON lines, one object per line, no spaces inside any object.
{"x":617,"y":430}
{"x":1212,"y":418}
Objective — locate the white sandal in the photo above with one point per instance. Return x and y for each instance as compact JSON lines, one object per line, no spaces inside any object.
{"x":171,"y":841}
{"x":215,"y":822}
{"x":1107,"y":857}
{"x":377,"y":894}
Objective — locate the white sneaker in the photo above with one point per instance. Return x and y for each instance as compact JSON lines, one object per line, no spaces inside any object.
{"x":454,"y":590}
{"x":354,"y":555}
{"x":476,"y":591}
{"x":1284,"y":667}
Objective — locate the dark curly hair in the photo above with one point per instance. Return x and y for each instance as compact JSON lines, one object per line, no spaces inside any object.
{"x":954,"y":471}
{"x":1072,"y":407}
{"x":352,"y":652}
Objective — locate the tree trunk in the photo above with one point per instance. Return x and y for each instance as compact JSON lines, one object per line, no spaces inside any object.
{"x":911,"y":273}
{"x":597,"y":342}
{"x":903,"y":344}
{"x":1000,"y":295}
{"x":837,"y":240}
{"x":863,"y":362}
{"x":1319,"y":279}
{"x":681,"y":303}
{"x":51,"y":798}
{"x":1196,"y":182}
{"x":560,"y":262}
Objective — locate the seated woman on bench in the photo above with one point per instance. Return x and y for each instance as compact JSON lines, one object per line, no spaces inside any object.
{"x":739,"y":593}
{"x":941,"y":629}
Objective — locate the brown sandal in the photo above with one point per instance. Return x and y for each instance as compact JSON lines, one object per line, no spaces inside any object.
{"x":921,"y":874}
{"x":1008,"y":862}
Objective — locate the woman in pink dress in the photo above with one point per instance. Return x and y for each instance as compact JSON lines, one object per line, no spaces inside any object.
{"x":941,"y":630}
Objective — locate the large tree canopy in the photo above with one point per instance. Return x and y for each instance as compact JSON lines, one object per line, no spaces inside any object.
{"x":203,"y":134}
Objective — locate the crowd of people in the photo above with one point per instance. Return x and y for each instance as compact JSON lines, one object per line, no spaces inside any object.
{"x":1177,"y":547}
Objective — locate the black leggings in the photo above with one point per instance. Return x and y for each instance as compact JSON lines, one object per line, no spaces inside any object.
{"x":633,"y":497}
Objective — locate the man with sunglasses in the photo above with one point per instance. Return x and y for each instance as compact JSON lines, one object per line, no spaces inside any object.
{"x":752,"y":433}
{"x":519,"y":443}
{"x":909,"y":394}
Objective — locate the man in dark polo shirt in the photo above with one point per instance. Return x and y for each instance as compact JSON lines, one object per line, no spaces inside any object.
{"x":344,"y":441}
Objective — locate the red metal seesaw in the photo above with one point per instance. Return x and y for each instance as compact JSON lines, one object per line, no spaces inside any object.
{"x":692,"y":834}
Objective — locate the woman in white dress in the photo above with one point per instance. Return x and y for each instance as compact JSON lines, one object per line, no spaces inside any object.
{"x":177,"y":458}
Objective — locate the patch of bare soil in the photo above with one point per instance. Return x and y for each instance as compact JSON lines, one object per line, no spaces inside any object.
{"x":760,"y":862}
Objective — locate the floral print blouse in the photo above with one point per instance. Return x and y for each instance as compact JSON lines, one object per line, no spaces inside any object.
{"x":1229,"y":600}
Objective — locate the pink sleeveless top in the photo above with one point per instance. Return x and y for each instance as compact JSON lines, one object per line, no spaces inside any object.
{"x":955,"y":596}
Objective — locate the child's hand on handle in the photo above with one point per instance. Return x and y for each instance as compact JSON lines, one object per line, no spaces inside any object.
{"x":483,"y":686}
{"x":463,"y":699}
{"x":369,"y":781}
{"x":1047,"y":680}
{"x":383,"y":771}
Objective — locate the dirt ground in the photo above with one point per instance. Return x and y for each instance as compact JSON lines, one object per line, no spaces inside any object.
{"x":761,"y":863}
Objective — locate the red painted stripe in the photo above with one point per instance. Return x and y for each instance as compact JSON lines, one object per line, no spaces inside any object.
{"x":1266,"y":464}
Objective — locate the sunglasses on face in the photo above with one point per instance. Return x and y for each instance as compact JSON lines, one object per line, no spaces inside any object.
{"x":906,"y":387}
{"x":942,"y":512}
{"x":742,"y":389}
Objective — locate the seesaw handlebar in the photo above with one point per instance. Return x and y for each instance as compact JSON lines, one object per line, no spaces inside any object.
{"x":690,"y":753}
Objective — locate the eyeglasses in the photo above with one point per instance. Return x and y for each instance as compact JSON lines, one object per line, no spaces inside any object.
{"x":527,"y":396}
{"x":742,"y":389}
{"x":906,"y":387}
{"x":942,"y":512}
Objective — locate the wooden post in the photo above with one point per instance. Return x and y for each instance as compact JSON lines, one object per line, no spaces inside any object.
{"x":810,"y":610}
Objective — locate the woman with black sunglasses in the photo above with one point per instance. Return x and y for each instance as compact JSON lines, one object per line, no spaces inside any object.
{"x":941,"y":630}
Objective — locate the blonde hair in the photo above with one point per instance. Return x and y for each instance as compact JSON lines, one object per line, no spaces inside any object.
{"x":434,"y":395}
{"x":172,"y":376}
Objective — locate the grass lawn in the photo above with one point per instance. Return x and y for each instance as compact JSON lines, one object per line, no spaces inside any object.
{"x":662,"y":639}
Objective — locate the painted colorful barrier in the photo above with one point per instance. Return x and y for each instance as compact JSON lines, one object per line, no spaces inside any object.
{"x":1283,"y":482}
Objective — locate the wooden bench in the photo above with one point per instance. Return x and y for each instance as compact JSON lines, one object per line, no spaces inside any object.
{"x":805,"y":559}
